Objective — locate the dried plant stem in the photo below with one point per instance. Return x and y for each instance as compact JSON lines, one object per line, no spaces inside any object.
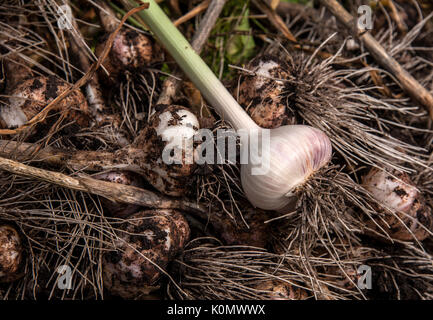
{"x":24,"y":151}
{"x":394,"y":14}
{"x":125,"y":159}
{"x":275,"y":19}
{"x":93,"y":90}
{"x":408,"y":83}
{"x":113,"y":191}
{"x":194,"y":12}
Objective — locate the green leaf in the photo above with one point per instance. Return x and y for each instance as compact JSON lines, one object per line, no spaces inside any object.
{"x":241,"y":47}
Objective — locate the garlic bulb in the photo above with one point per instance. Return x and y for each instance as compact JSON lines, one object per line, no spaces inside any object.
{"x":296,"y":152}
{"x":261,"y":94}
{"x":155,"y":235}
{"x":168,"y":146}
{"x":32,"y":95}
{"x":120,"y":210}
{"x":163,"y":153}
{"x":130,"y":51}
{"x":396,"y":191}
{"x":10,"y":253}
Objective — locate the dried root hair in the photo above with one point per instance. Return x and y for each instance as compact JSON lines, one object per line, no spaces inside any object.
{"x":219,"y":186}
{"x":336,"y":271}
{"x":321,"y":34}
{"x":331,"y":205}
{"x":403,"y":272}
{"x":59,"y":227}
{"x":210,"y":270}
{"x":325,"y":98}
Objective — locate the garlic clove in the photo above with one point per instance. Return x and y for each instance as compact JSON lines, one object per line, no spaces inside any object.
{"x":165,"y":139}
{"x":11,"y":251}
{"x":396,"y":191}
{"x":262,"y":95}
{"x":296,"y":153}
{"x":152,"y":235}
{"x":32,"y":95}
{"x":115,"y":209}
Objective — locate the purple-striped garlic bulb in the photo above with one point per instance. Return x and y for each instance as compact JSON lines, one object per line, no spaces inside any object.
{"x":295,"y":153}
{"x":396,"y":191}
{"x":147,"y":242}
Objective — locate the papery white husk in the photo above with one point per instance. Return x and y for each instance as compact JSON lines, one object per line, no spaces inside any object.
{"x":296,"y":152}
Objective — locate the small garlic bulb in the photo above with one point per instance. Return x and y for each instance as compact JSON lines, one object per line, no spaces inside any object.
{"x":168,"y":161}
{"x":130,"y":51}
{"x":296,"y":153}
{"x":155,"y":235}
{"x":396,"y":191}
{"x":32,"y":95}
{"x":10,"y":253}
{"x":115,"y":209}
{"x":262,"y":96}
{"x":163,"y":153}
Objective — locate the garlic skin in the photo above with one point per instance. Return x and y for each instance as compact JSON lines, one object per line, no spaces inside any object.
{"x":32,"y":95}
{"x":115,"y":209}
{"x":158,"y":235}
{"x":396,"y":191}
{"x":169,"y":128}
{"x":10,"y":253}
{"x":130,"y":51}
{"x":262,"y":96}
{"x":296,"y":153}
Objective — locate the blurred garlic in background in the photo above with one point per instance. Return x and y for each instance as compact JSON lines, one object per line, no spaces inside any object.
{"x":412,"y":217}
